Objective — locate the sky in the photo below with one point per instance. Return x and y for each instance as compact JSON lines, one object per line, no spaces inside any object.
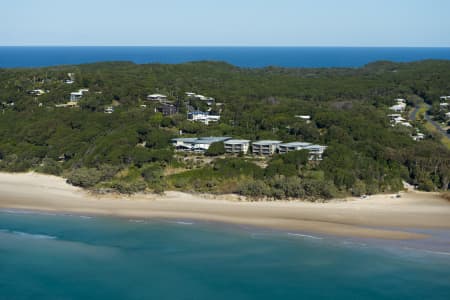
{"x":412,"y":23}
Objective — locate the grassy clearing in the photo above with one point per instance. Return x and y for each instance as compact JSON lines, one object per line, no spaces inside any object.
{"x":446,"y":141}
{"x":421,"y":112}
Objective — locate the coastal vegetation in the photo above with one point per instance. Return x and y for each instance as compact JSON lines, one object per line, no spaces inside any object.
{"x":129,"y":150}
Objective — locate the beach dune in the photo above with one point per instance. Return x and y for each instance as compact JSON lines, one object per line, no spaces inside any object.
{"x":380,"y":216}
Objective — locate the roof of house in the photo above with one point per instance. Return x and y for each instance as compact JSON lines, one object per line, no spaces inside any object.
{"x":266,"y":142}
{"x":237,"y":141}
{"x":316,"y":147}
{"x":398,"y":119}
{"x":202,"y":140}
{"x":186,"y":140}
{"x":212,"y":139}
{"x":295,"y":144}
{"x":157,"y":96}
{"x":398,"y":106}
{"x":80,"y":92}
{"x":198,"y":112}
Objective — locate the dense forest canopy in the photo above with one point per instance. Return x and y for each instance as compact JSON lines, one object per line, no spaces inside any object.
{"x":129,"y":150}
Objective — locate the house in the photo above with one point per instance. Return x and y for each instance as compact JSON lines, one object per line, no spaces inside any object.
{"x":444,"y":98}
{"x":109,"y":110}
{"x":167,"y":109}
{"x":76,"y":96}
{"x":197,"y":115}
{"x":399,"y":100}
{"x":447,"y":115}
{"x":315,"y":151}
{"x":157,"y":97}
{"x":196,"y":144}
{"x":398,"y":120}
{"x":400,"y":107}
{"x":392,"y":117}
{"x":444,"y":105}
{"x":183,"y":144}
{"x":203,"y":117}
{"x":306,"y":118}
{"x":208,"y":100}
{"x":406,"y":124}
{"x":418,"y":136}
{"x":294,"y":146}
{"x":36,"y":92}
{"x":237,"y":146}
{"x":265,"y":147}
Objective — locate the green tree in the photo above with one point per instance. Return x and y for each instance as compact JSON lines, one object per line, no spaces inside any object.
{"x":215,"y":149}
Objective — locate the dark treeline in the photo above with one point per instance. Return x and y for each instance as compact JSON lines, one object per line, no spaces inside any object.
{"x":129,"y":150}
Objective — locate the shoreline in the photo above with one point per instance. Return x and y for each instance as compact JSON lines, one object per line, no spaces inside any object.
{"x":378,"y":217}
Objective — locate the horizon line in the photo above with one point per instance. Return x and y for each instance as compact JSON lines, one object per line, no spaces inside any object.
{"x":233,"y":46}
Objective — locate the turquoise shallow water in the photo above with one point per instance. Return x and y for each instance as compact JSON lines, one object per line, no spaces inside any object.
{"x":45,"y":256}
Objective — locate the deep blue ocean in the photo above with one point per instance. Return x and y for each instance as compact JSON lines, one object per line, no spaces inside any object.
{"x":239,"y":56}
{"x":51,"y":256}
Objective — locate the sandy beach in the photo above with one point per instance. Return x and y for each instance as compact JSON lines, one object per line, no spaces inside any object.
{"x":380,"y":216}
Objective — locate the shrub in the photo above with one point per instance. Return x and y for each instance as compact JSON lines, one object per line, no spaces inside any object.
{"x":215,"y":149}
{"x":124,"y":187}
{"x":84,"y":177}
{"x":50,"y":166}
{"x":359,"y":188}
{"x":254,"y":188}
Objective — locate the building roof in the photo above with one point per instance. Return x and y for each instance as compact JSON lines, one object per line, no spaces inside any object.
{"x":212,"y":139}
{"x":198,"y":112}
{"x":202,"y":140}
{"x":157,"y":96}
{"x":186,"y":140}
{"x":399,"y":106}
{"x":237,"y":141}
{"x":304,"y":117}
{"x":80,"y":92}
{"x":295,"y":144}
{"x":316,"y":147}
{"x":266,"y":142}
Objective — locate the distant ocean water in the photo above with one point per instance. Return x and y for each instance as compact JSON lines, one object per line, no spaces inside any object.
{"x":11,"y":57}
{"x":51,"y":256}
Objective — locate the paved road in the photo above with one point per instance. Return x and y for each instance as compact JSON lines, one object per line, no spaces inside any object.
{"x":434,"y":123}
{"x":413,"y":114}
